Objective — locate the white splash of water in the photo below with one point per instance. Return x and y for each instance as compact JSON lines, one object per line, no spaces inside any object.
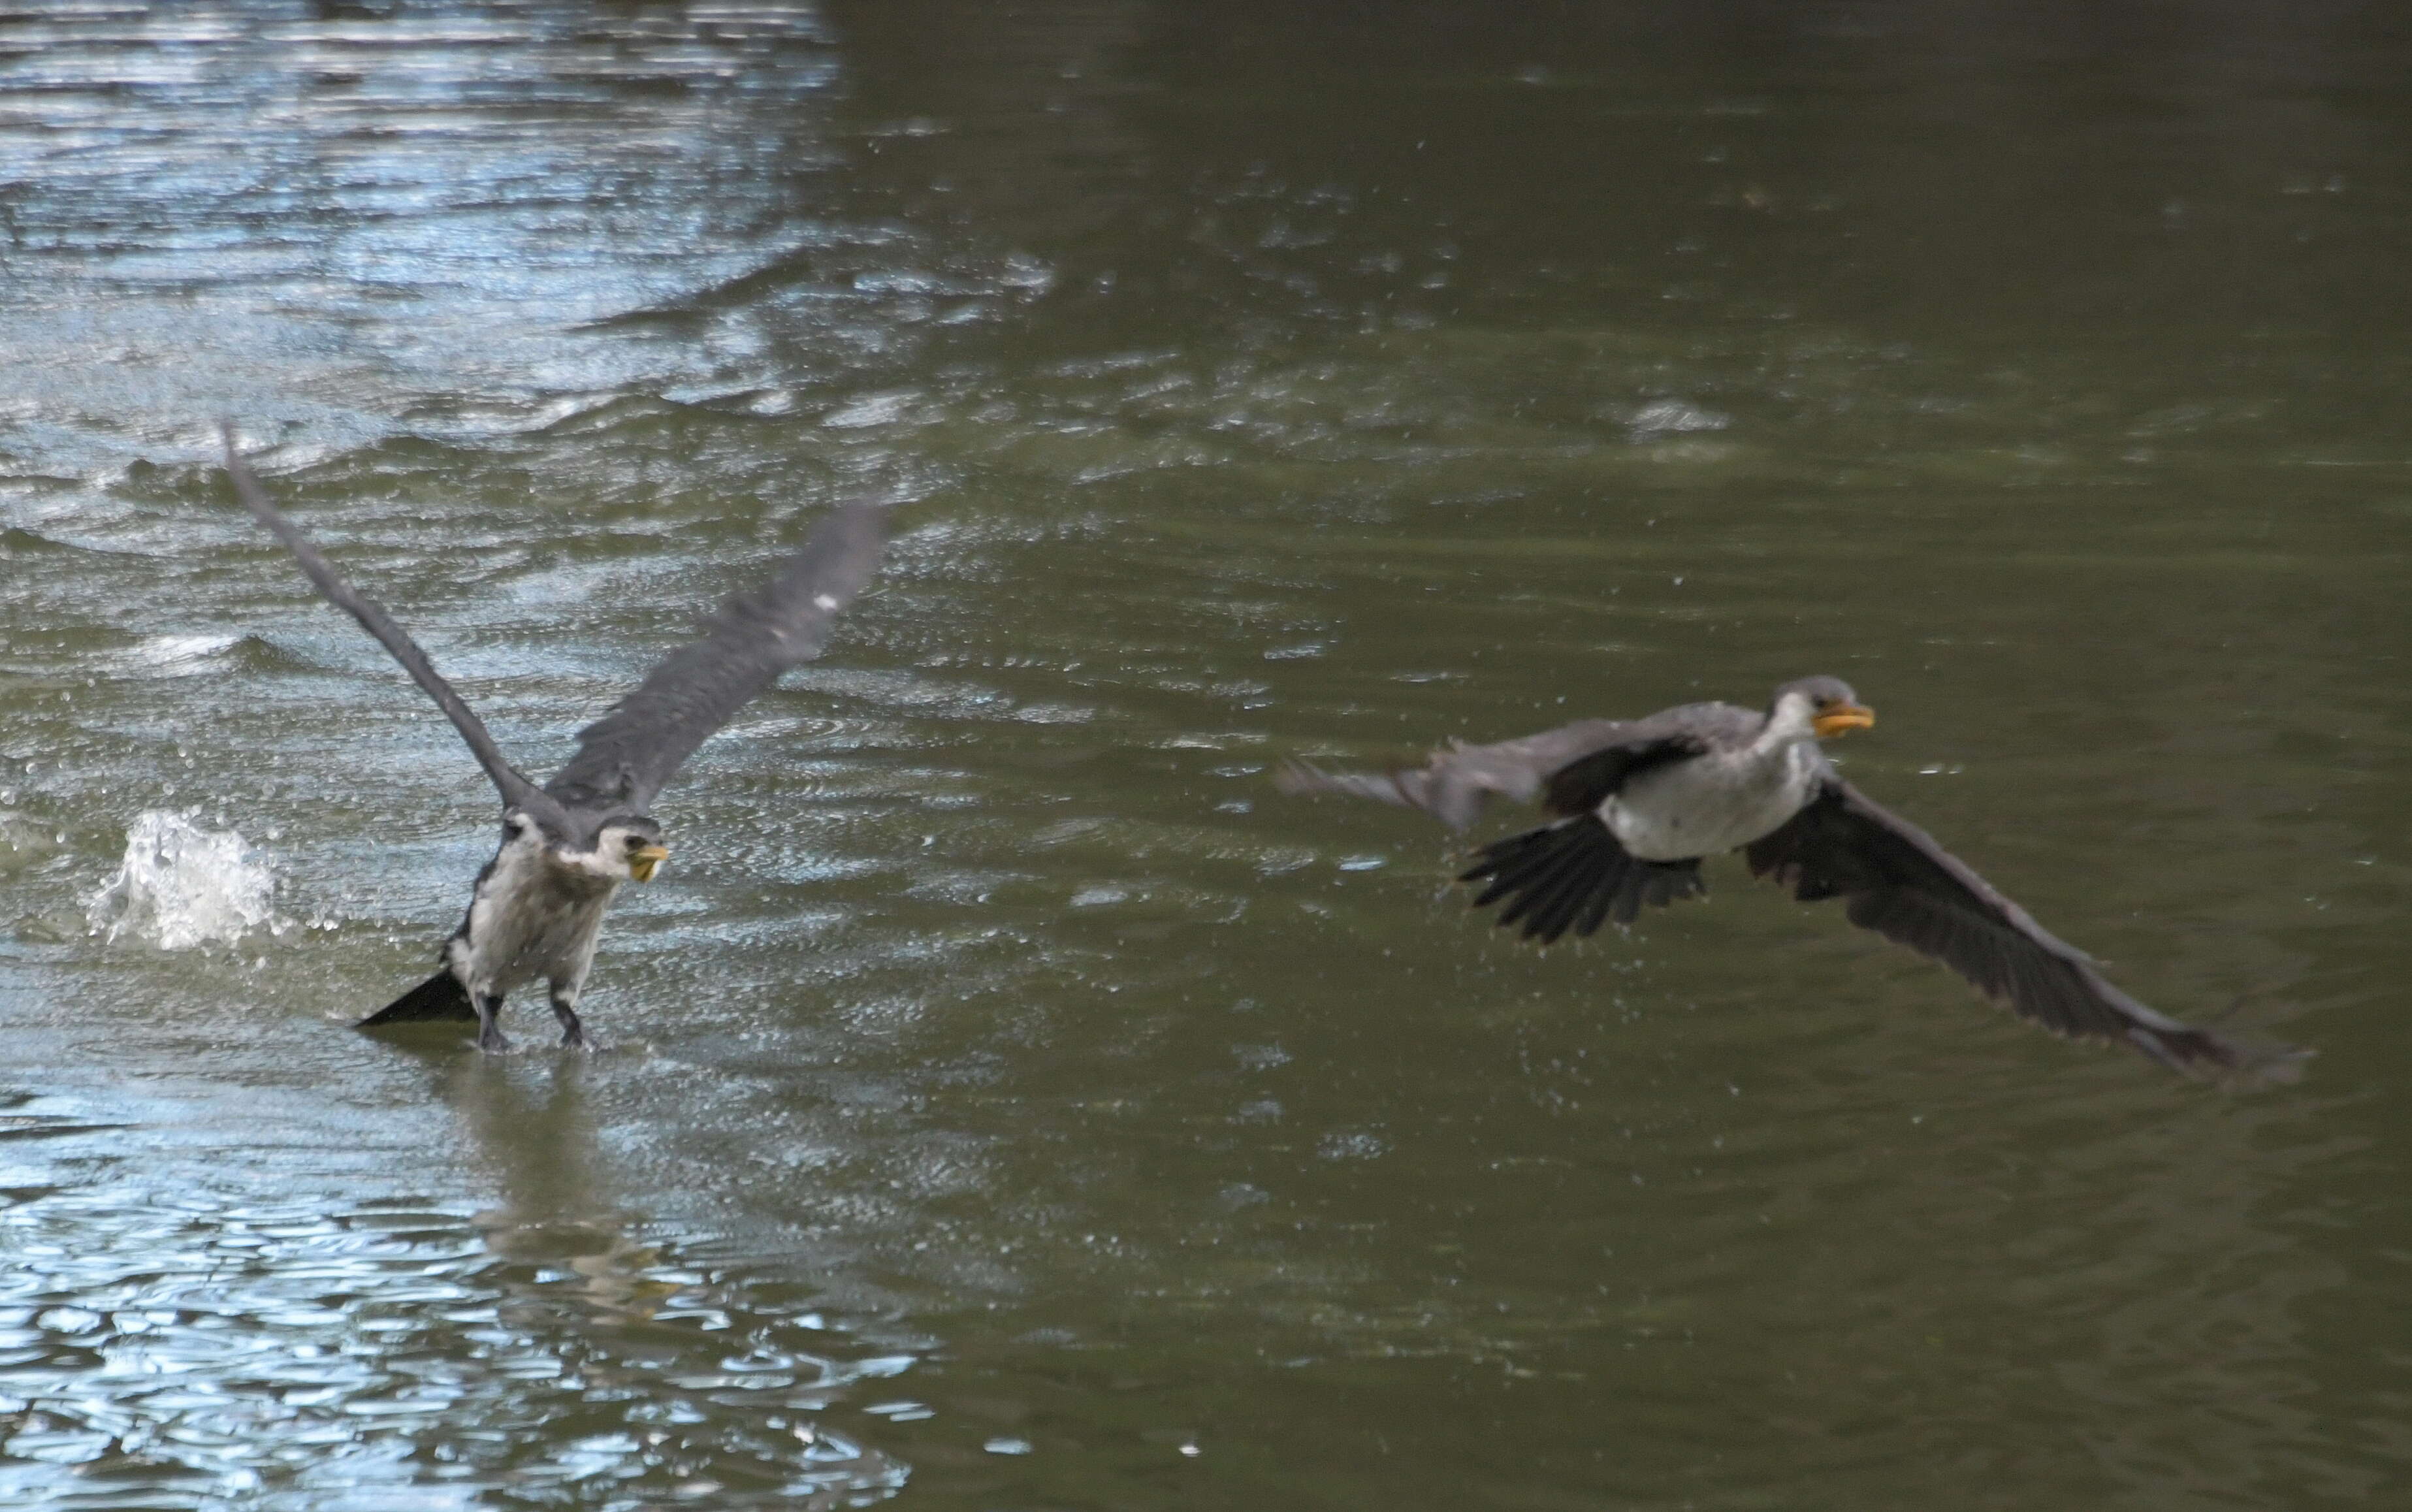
{"x":1671,"y":416}
{"x":181,"y":885}
{"x":171,"y":655}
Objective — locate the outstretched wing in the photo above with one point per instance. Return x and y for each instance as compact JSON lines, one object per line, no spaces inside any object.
{"x":1571,"y":768}
{"x":518,"y":792}
{"x":1897,"y":881}
{"x":624,"y":757}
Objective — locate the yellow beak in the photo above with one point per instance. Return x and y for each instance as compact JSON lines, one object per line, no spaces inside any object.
{"x":1841,"y":717}
{"x":642,"y":861}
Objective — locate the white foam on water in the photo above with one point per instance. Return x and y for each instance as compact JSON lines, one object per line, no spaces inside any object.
{"x":185,"y":656}
{"x":182,"y":885}
{"x":1672,"y":417}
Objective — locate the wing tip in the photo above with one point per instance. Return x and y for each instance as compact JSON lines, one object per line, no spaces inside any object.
{"x":1297,"y":778}
{"x":230,"y":447}
{"x":2283,"y":1065}
{"x":1399,"y":787}
{"x":2201,"y":1052}
{"x":231,"y":444}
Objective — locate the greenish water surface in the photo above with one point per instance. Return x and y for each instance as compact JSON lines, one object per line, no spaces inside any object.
{"x":1009,"y":1101}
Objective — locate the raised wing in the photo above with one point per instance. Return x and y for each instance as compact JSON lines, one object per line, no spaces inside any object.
{"x":1570,"y":768}
{"x":517,"y":790}
{"x":624,"y":757}
{"x":1897,"y":881}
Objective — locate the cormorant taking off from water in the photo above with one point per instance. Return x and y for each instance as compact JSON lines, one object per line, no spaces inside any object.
{"x":1639,"y":802}
{"x":568,"y":845}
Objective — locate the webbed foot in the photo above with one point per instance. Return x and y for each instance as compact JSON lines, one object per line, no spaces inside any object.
{"x":573,"y":1034}
{"x":491,"y":1038}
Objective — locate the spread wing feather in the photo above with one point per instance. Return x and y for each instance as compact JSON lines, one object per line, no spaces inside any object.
{"x":624,"y":757}
{"x":1572,"y":875}
{"x":1894,"y":879}
{"x":517,"y":790}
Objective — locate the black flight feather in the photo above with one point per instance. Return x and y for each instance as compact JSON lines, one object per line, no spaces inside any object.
{"x":1572,"y":876}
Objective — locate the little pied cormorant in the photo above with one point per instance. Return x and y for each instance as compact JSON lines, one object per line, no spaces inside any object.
{"x":567,"y":845}
{"x":1639,"y":802}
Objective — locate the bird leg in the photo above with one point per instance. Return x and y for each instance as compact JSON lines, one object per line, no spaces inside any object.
{"x":564,"y":1007}
{"x":490,"y":1032}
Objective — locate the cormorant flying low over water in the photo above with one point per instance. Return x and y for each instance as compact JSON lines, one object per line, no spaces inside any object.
{"x":1636,"y":804}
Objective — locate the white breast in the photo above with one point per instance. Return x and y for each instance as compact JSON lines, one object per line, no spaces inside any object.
{"x":1713,"y":803}
{"x":532,"y":918}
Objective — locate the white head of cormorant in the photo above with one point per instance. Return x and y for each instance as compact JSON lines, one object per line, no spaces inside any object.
{"x":1637,"y":804}
{"x":568,"y":845}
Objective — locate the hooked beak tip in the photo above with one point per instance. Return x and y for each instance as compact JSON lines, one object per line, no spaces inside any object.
{"x":1840,"y":718}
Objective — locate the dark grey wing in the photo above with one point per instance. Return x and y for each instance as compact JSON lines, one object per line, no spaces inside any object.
{"x":1559,"y":767}
{"x":624,"y":757}
{"x":518,"y":792}
{"x":1897,"y":881}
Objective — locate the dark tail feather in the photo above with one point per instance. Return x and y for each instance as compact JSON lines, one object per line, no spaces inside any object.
{"x":1573,"y":875}
{"x":441,"y":996}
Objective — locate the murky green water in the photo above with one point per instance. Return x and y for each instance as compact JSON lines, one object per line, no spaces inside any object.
{"x":1010,"y":1101}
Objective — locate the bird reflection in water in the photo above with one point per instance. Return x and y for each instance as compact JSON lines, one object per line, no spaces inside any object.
{"x":698,"y":1385}
{"x":534,"y":1130}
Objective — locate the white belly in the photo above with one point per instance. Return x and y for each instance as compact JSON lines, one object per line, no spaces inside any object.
{"x":531,"y":919}
{"x":1711,"y":804}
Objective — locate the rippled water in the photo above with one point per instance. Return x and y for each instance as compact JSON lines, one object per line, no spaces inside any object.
{"x":1006,"y":1099}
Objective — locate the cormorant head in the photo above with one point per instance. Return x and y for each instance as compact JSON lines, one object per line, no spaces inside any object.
{"x":1824,"y":706}
{"x":627,"y":847}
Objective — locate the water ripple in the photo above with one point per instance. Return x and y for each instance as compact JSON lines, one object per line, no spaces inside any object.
{"x":186,"y":1349}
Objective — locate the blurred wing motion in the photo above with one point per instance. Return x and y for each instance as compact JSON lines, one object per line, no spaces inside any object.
{"x":624,"y":757}
{"x":1570,"y":769}
{"x":1897,"y":881}
{"x":518,"y":792}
